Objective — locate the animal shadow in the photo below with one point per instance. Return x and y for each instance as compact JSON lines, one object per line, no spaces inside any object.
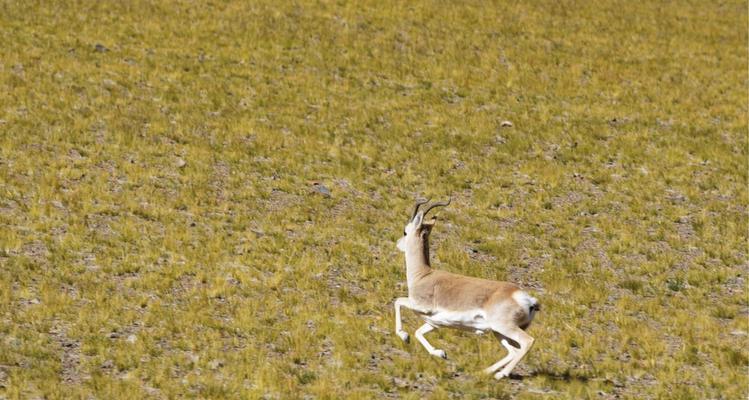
{"x":564,"y":376}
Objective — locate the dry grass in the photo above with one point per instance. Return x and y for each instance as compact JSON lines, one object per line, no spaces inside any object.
{"x":165,"y":231}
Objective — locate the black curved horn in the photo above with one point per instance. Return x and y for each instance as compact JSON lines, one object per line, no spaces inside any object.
{"x":416,"y":207}
{"x":438,"y":204}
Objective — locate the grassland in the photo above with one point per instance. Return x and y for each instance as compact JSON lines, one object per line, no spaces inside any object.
{"x":164,"y":231}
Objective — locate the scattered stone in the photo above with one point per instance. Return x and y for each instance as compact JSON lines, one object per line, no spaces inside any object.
{"x":180,"y":163}
{"x":232,"y":280}
{"x":18,"y":70}
{"x":215,"y":364}
{"x":3,"y":378}
{"x":36,"y":250}
{"x":108,"y":84}
{"x":675,"y":197}
{"x":108,"y":364}
{"x":401,"y":383}
{"x":738,"y":333}
{"x":321,"y":189}
{"x":100,"y":48}
{"x":506,"y":124}
{"x":537,"y":390}
{"x":151,"y":390}
{"x":131,"y":339}
{"x":75,"y":154}
{"x":664,"y":124}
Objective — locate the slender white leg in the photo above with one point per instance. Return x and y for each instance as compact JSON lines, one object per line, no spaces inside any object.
{"x":511,"y":351}
{"x":525,"y":341}
{"x":401,"y":301}
{"x":426,"y":328}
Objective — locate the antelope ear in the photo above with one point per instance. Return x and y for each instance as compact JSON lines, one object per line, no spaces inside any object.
{"x":418,"y":219}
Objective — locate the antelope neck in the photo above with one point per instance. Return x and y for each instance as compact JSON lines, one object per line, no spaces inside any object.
{"x":417,"y":261}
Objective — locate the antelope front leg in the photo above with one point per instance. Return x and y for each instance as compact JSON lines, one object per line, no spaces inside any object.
{"x":426,"y":328}
{"x":401,"y":301}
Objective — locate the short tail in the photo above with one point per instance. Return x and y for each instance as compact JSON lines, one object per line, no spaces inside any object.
{"x":527,"y":301}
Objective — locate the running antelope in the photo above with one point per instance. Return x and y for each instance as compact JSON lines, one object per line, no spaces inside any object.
{"x":445,"y":299}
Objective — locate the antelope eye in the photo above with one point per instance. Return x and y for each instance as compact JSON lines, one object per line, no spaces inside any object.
{"x":404,"y":233}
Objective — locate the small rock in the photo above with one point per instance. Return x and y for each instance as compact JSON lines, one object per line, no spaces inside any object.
{"x":506,"y":124}
{"x":321,"y":189}
{"x":109,"y":364}
{"x":100,"y":48}
{"x":536,"y":390}
{"x":738,"y":333}
{"x":108,"y":84}
{"x":151,"y":390}
{"x":401,"y":383}
{"x":131,"y":339}
{"x":216,"y":364}
{"x":75,"y":154}
{"x":232,"y":280}
{"x":180,"y":163}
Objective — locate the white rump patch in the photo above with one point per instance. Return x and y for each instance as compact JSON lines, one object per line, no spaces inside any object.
{"x":528,"y":302}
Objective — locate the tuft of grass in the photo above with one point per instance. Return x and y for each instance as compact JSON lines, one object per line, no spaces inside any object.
{"x":635,"y":285}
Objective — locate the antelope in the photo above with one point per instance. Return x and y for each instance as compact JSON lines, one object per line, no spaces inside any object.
{"x":450,"y":300}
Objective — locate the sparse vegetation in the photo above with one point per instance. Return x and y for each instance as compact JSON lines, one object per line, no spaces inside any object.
{"x":202,"y":200}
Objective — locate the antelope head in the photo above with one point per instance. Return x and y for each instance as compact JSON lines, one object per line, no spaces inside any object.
{"x":416,"y":233}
